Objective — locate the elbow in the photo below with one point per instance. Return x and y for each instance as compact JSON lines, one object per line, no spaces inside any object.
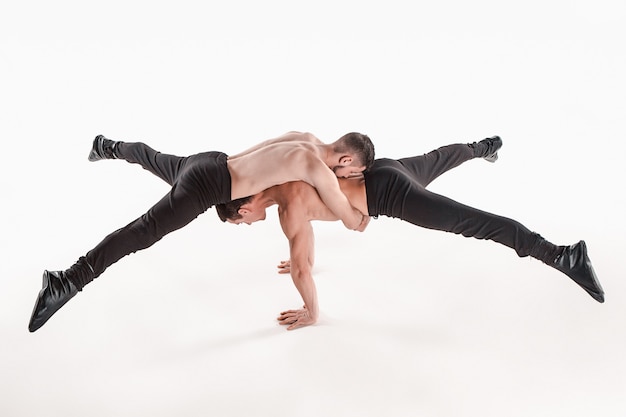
{"x":300,"y":274}
{"x":354,"y":223}
{"x":350,"y":226}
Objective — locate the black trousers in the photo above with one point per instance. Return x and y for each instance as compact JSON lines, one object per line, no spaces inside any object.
{"x":198,"y":182}
{"x":397,"y":188}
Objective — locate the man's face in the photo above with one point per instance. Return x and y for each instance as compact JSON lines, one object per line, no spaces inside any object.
{"x":249,"y":214}
{"x":348,"y":171}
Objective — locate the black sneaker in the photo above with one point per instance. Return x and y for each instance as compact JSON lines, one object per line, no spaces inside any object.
{"x":575,"y":263}
{"x":55,"y":292}
{"x":102,"y":148}
{"x":492,"y":145}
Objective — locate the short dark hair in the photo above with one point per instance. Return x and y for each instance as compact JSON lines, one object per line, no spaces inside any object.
{"x":359,"y":145}
{"x":230,"y":210}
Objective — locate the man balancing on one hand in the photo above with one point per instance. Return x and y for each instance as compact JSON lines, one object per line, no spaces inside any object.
{"x":397,"y":188}
{"x":203,"y":180}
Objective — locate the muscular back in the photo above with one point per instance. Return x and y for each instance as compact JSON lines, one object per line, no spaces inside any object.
{"x":292,"y":157}
{"x":273,"y":164}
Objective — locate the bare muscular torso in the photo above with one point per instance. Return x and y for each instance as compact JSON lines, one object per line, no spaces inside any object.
{"x":299,"y":202}
{"x":292,"y":157}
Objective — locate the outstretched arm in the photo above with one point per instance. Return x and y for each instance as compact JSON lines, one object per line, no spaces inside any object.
{"x":301,"y":248}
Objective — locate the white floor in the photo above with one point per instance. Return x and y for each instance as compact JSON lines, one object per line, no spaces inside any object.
{"x":414,"y":322}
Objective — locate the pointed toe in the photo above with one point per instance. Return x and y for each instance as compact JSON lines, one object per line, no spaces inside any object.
{"x":575,"y":263}
{"x":599,"y":297}
{"x":55,"y":292}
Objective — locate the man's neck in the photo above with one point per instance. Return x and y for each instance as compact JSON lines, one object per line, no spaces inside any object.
{"x":326,"y":154}
{"x":270,"y":197}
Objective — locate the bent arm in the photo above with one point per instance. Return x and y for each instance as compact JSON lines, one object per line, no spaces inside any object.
{"x":327,"y":186}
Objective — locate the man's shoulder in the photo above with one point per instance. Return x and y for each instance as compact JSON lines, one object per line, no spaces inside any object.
{"x":298,"y":136}
{"x":299,"y":152}
{"x":293,"y":220}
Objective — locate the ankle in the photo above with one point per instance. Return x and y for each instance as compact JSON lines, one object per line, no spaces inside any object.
{"x":80,"y":274}
{"x":115,"y":146}
{"x":545,"y":251}
{"x":478,"y":149}
{"x":487,"y":148}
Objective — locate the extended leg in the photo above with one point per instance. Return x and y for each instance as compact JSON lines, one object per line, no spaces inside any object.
{"x":204,"y":182}
{"x":167,"y":167}
{"x":433,"y":211}
{"x":426,"y":168}
{"x":174,"y":211}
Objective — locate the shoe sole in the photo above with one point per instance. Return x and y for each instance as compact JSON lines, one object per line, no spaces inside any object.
{"x":44,"y":284}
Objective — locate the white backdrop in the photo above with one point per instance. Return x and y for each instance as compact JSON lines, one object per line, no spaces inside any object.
{"x":414,"y":322}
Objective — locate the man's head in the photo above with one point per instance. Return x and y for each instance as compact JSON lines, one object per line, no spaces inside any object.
{"x":356,"y":152}
{"x":242,"y":210}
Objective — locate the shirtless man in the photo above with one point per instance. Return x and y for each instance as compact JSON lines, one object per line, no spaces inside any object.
{"x":203,"y":180}
{"x":396,"y":188}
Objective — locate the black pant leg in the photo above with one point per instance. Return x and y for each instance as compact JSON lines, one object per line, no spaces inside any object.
{"x":164,"y":166}
{"x":426,"y":168}
{"x":175,"y":210}
{"x":433,"y":211}
{"x":204,"y":182}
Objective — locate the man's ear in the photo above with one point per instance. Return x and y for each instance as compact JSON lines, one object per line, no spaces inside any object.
{"x":345,"y":161}
{"x":243,"y":211}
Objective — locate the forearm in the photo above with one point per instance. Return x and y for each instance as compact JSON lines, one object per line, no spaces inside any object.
{"x":341,"y":207}
{"x":353,"y":219}
{"x":306,"y":287}
{"x":301,"y":249}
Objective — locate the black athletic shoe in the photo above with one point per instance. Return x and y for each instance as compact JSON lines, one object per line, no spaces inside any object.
{"x":575,"y":263}
{"x":102,"y":148}
{"x":55,"y":292}
{"x":493,"y":144}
